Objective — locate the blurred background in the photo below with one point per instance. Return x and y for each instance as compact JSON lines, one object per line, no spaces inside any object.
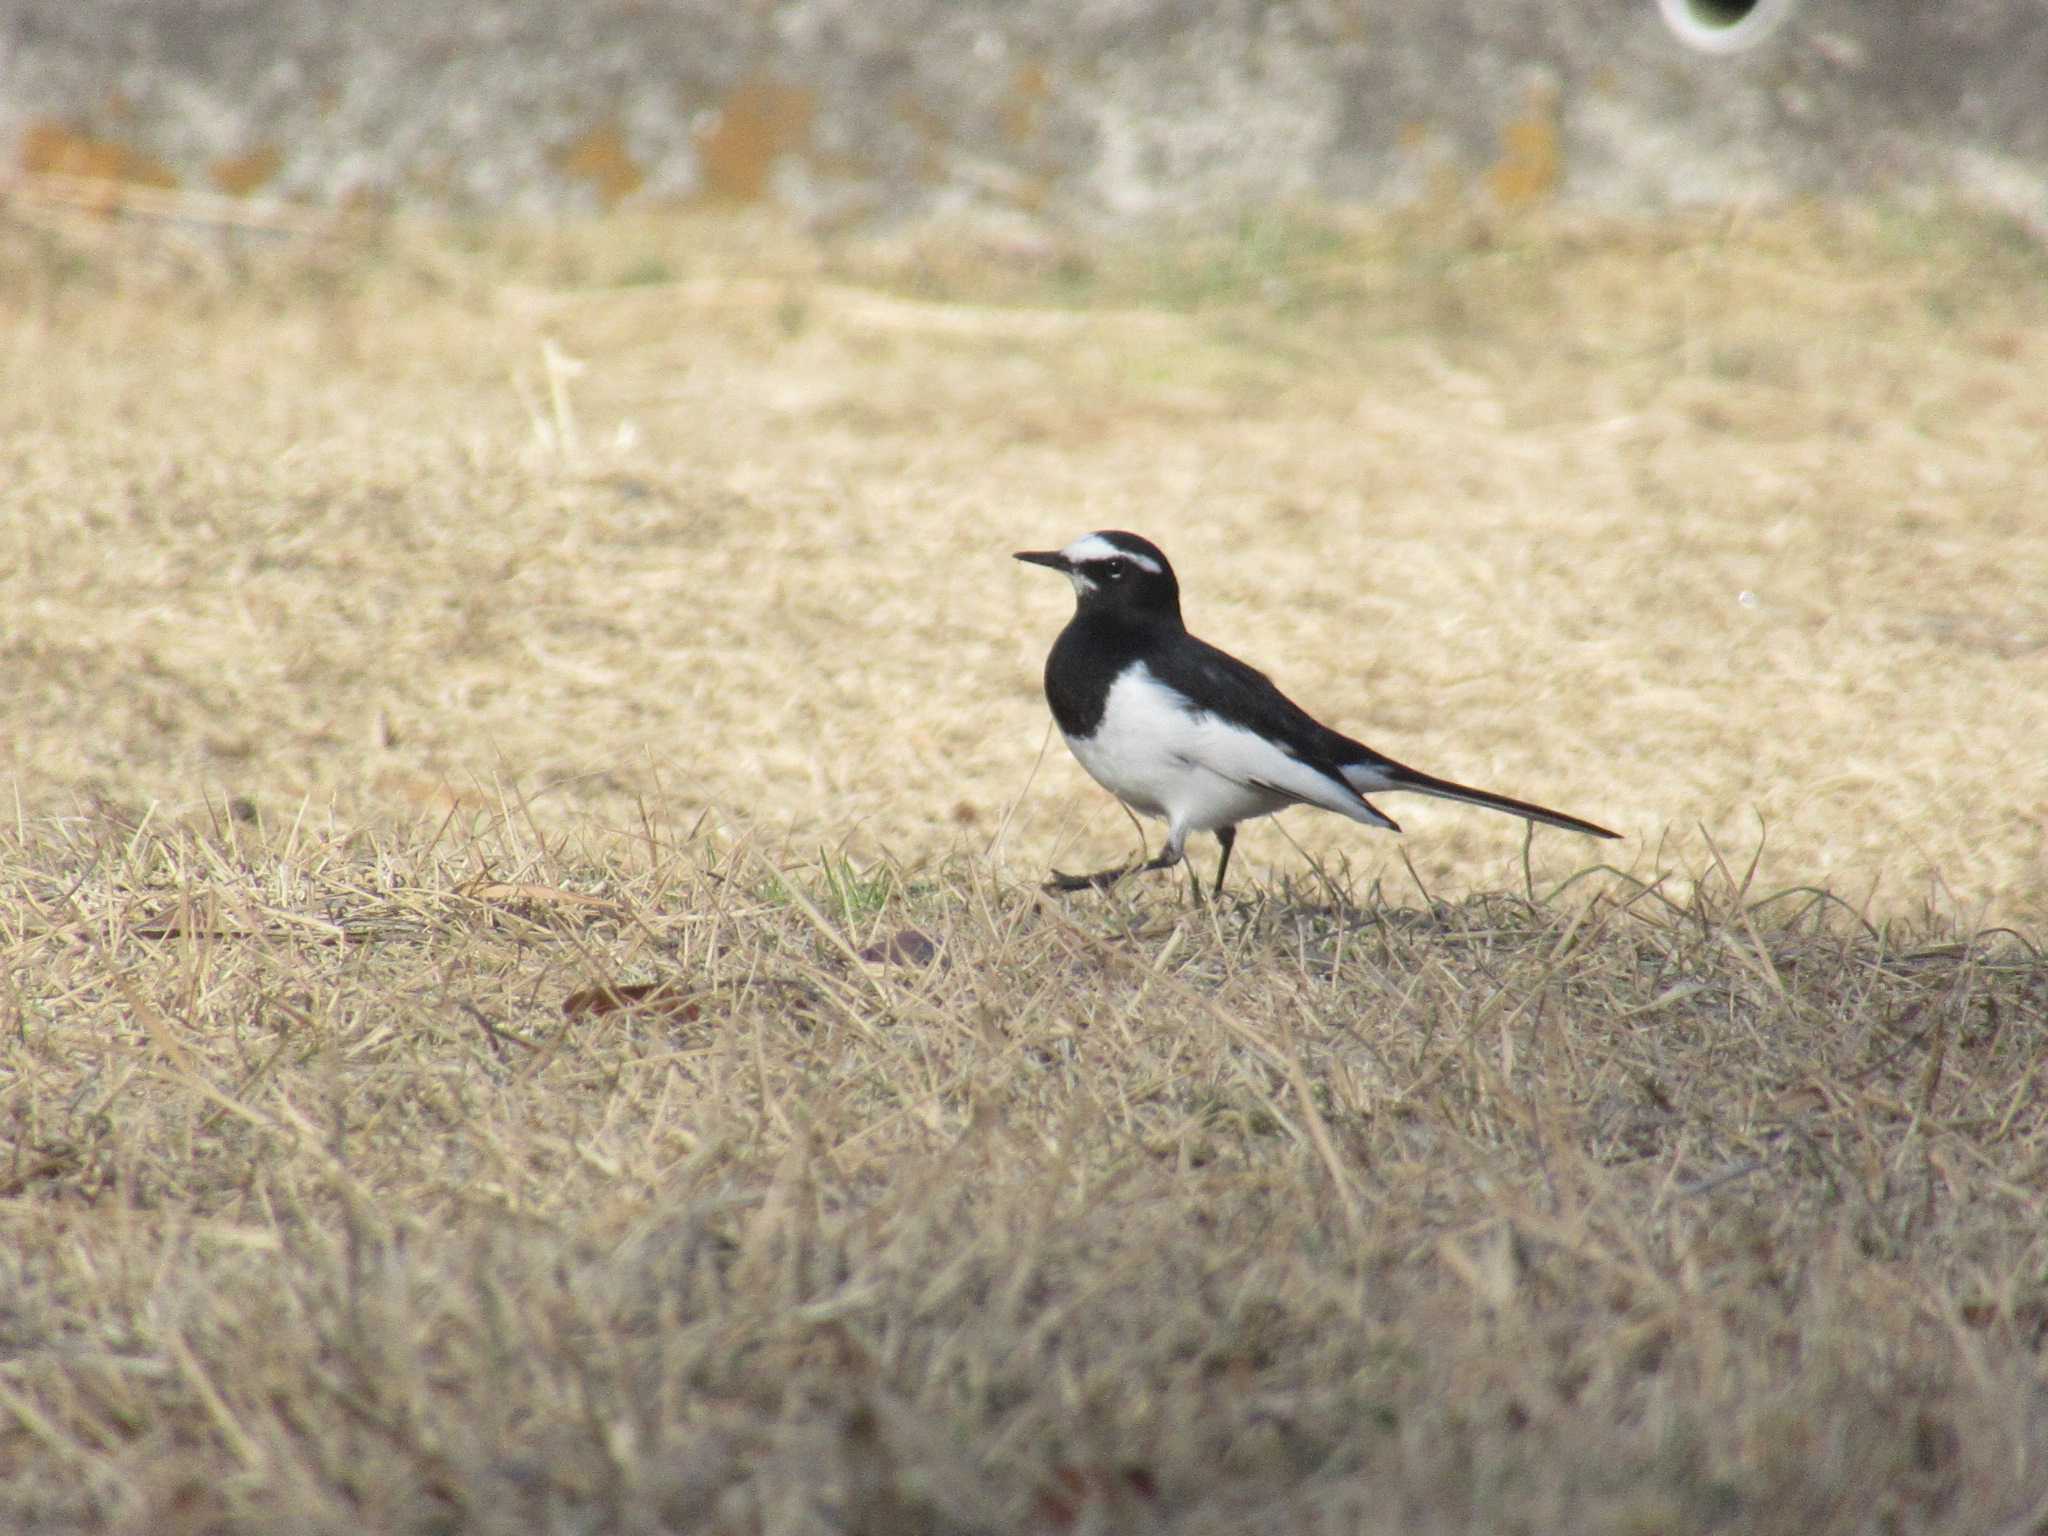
{"x":1631,"y":406}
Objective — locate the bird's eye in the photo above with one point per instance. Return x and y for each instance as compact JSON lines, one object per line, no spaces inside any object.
{"x":1114,"y":571}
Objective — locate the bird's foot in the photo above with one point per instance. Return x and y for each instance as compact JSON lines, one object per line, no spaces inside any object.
{"x":1101,"y":880}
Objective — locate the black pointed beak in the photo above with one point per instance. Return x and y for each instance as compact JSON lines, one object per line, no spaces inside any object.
{"x":1051,"y":559}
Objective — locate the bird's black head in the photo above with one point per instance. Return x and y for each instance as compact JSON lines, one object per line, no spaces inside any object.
{"x":1115,"y":573}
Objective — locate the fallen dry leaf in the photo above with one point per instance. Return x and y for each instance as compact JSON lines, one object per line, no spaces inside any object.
{"x":906,"y":946}
{"x":662,"y":999}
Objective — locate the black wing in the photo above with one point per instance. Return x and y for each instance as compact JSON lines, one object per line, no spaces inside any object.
{"x":1245,"y":696}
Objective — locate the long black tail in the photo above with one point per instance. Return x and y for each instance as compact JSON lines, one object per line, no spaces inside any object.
{"x":1382,"y":775}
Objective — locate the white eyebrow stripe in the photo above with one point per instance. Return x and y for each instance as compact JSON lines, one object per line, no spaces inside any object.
{"x":1095,"y":547}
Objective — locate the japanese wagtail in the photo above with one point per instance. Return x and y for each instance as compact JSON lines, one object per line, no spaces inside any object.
{"x":1181,"y":731}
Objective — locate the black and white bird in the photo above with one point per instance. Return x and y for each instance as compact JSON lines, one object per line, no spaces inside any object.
{"x":1183,"y":732}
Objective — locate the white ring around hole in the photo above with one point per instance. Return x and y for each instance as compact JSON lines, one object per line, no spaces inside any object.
{"x":1724,"y":26}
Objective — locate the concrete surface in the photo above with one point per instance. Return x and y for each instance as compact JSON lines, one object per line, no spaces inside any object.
{"x":1086,"y":110}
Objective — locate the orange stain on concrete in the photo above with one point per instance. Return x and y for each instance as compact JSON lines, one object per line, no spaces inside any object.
{"x":54,"y":148}
{"x":760,"y":122}
{"x":239,"y":175}
{"x":931,"y":135}
{"x":1021,"y":113}
{"x":600,"y":157}
{"x":1531,"y":164}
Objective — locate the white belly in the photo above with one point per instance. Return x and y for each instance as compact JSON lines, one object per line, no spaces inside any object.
{"x":1192,"y":769}
{"x":1191,"y":797}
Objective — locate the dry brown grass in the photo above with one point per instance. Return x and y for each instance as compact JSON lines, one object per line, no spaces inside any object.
{"x":324,"y":1213}
{"x":1490,"y":500}
{"x":446,"y":1089}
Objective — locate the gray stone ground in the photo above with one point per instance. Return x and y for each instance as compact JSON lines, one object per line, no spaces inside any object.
{"x":1082,"y":110}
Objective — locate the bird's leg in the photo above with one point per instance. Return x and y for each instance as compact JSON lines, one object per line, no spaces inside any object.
{"x":1227,"y":836}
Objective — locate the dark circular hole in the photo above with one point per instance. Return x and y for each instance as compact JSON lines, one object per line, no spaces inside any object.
{"x":1724,"y":26}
